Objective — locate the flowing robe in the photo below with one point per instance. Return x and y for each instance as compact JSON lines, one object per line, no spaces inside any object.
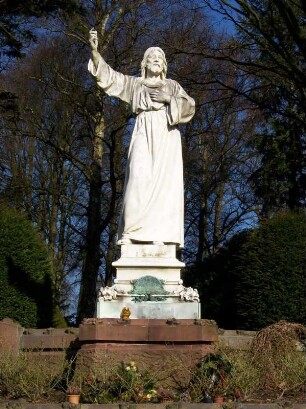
{"x":153,"y":201}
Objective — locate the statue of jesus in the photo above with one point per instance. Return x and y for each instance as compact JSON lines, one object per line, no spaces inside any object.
{"x":153,"y":201}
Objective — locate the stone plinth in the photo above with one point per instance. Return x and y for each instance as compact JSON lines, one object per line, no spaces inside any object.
{"x":159,"y":344}
{"x":149,"y":309}
{"x":163,"y":295}
{"x":138,"y":260}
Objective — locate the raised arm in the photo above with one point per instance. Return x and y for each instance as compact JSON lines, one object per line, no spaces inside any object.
{"x":112,"y":82}
{"x":93,"y":41}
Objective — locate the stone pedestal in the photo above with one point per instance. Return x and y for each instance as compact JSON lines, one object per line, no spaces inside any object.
{"x":149,"y":309}
{"x":163,"y":295}
{"x":161,"y":344}
{"x":138,"y":260}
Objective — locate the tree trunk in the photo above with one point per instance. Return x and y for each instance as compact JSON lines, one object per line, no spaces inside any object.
{"x":218,"y":216}
{"x":202,"y":221}
{"x":87,"y":300}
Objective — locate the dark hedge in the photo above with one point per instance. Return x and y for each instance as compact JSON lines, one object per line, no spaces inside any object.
{"x":270,"y":277}
{"x":25,"y":272}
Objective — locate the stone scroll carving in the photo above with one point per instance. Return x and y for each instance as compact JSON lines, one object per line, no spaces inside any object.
{"x":187,"y":294}
{"x":109,"y":293}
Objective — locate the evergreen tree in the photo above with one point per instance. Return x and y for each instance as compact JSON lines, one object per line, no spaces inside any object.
{"x":259,"y":275}
{"x":25,"y":272}
{"x":217,"y":289}
{"x":280,"y":180}
{"x":270,"y":276}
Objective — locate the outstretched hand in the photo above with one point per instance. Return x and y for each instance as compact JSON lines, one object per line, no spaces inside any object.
{"x":160,"y":96}
{"x":93,"y":39}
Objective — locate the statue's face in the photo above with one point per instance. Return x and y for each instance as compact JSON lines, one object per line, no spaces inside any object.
{"x":155,"y":63}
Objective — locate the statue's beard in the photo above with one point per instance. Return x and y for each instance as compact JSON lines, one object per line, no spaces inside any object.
{"x":155,"y":69}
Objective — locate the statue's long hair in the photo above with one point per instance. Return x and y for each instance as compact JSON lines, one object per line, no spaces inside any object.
{"x":145,"y":58}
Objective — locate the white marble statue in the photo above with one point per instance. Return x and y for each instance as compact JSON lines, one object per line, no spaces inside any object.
{"x":153,"y":202}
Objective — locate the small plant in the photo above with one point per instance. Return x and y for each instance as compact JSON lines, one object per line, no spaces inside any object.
{"x":125,"y":383}
{"x":210,"y":378}
{"x":244,"y":378}
{"x":129,"y":384}
{"x":73,"y":389}
{"x":96,"y":389}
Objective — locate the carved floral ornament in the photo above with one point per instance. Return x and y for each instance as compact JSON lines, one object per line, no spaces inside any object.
{"x":187,"y":294}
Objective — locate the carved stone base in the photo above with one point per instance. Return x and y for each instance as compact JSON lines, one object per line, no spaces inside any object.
{"x":138,"y":260}
{"x":148,"y":283}
{"x":149,"y":309}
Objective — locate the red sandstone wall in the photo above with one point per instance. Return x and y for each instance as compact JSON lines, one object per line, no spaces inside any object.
{"x":150,"y":343}
{"x":10,"y":334}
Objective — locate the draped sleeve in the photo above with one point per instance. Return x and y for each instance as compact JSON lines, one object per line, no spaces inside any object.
{"x":181,"y":108}
{"x":112,"y":82}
